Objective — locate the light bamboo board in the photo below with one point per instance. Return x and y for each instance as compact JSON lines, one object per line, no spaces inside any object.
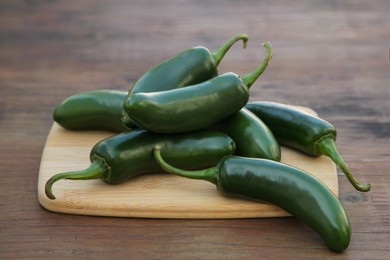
{"x":152,"y":195}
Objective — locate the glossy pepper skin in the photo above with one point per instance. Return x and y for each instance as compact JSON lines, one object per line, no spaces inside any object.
{"x":252,"y":137}
{"x":304,"y":132}
{"x":103,"y":109}
{"x":295,"y":191}
{"x":189,"y":67}
{"x":123,"y":156}
{"x":193,"y":107}
{"x":92,"y":110}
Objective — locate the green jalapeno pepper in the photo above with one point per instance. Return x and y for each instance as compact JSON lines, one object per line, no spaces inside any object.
{"x":295,"y":191}
{"x":189,"y":67}
{"x":101,"y":109}
{"x":92,"y":110}
{"x":252,"y":137}
{"x":128,"y":154}
{"x":304,"y":132}
{"x":193,"y":107}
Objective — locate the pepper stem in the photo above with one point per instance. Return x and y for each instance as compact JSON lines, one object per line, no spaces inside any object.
{"x":95,"y":171}
{"x":327,"y":146}
{"x":209,"y":174}
{"x":250,"y":78}
{"x":220,"y":53}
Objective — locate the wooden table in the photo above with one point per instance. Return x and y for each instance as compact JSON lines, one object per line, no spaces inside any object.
{"x":332,"y":56}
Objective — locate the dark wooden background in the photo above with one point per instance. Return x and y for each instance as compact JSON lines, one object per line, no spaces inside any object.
{"x":332,"y":56}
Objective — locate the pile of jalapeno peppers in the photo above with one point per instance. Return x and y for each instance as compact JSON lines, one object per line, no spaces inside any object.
{"x":184,"y":118}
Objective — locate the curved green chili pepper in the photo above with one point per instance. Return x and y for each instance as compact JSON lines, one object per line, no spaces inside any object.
{"x":295,"y":191}
{"x":252,"y":137}
{"x":92,"y":110}
{"x":189,"y":67}
{"x":128,"y":154}
{"x":193,"y":107}
{"x":304,"y":132}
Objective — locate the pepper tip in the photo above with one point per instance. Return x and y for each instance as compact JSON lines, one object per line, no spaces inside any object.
{"x":48,"y":190}
{"x":364,"y":188}
{"x":157,"y":148}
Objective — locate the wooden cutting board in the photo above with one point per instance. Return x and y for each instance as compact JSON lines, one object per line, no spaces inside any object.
{"x":153,"y":195}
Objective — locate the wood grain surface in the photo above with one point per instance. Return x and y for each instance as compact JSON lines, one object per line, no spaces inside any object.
{"x":332,"y":56}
